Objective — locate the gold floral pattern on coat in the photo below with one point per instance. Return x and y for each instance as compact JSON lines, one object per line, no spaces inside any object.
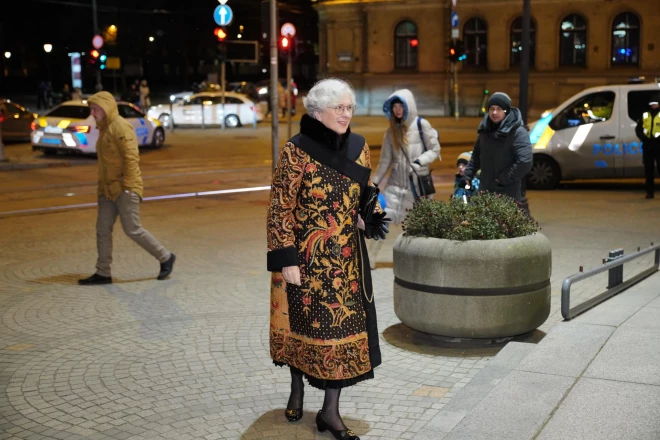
{"x":320,"y":326}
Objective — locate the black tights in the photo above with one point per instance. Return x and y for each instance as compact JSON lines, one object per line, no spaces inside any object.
{"x":330,"y":410}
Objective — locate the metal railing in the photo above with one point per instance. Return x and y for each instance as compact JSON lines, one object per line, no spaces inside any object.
{"x":613,"y":264}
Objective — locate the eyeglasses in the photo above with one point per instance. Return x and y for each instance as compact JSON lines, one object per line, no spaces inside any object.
{"x":339,"y":110}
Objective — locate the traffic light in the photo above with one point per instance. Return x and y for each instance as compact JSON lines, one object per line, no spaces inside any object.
{"x":453,"y":57}
{"x":285,"y":43}
{"x":102,"y":58}
{"x":456,"y":51}
{"x":220,"y":34}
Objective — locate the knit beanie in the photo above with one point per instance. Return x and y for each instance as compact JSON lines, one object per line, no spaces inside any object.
{"x":501,"y":100}
{"x":464,"y":158}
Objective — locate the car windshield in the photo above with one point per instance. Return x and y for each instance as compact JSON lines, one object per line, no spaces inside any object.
{"x":70,"y":111}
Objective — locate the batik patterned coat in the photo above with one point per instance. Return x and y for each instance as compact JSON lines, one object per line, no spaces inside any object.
{"x":326,"y":327}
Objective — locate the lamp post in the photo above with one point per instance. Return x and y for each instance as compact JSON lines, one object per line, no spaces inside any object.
{"x":48,"y":48}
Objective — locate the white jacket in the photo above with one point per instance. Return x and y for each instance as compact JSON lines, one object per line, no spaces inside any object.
{"x":398,"y":194}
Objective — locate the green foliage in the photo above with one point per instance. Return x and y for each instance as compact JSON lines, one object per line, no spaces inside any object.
{"x":488,"y":216}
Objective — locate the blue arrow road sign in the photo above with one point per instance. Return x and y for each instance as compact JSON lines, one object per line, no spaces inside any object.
{"x":223,"y":15}
{"x":454,"y":19}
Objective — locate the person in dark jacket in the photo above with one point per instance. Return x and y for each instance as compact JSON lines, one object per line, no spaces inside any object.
{"x":648,"y":131}
{"x":502,"y":151}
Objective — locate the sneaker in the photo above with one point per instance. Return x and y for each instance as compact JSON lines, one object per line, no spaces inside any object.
{"x":95,"y":280}
{"x":166,"y":268}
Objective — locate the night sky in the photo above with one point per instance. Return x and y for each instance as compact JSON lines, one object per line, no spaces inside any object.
{"x":181,"y":29}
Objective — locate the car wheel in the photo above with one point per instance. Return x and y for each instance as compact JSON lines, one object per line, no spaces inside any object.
{"x":232,"y":121}
{"x":159,"y":138}
{"x":49,"y":152}
{"x":166,"y":121}
{"x":545,"y":173}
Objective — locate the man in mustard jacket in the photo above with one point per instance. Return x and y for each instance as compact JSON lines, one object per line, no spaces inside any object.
{"x":648,"y":131}
{"x":119,"y":190}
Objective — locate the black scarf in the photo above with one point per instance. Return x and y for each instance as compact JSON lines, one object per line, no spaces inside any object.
{"x":323,"y":135}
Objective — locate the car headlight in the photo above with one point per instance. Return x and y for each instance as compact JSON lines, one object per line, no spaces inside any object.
{"x":263,"y":90}
{"x":172,"y":98}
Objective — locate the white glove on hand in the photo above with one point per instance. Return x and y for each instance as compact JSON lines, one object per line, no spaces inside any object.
{"x":417,"y":168}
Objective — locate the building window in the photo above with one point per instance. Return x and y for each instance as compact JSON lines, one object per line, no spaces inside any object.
{"x":405,"y":45}
{"x":573,"y":41}
{"x":516,"y":42}
{"x":625,"y":39}
{"x":475,"y":36}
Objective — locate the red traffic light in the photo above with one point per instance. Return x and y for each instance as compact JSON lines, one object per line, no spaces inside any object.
{"x":95,"y":53}
{"x":452,"y":51}
{"x":414,"y":42}
{"x":220,"y":34}
{"x":285,"y":43}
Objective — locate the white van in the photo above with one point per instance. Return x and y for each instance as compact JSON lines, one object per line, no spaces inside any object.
{"x":591,"y":136}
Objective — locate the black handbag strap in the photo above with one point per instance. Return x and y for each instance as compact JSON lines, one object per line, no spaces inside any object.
{"x":421,"y":132}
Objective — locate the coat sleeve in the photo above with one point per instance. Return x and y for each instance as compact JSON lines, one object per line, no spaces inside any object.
{"x":522,"y":158}
{"x":639,"y":131}
{"x":287,"y":180}
{"x":431,"y":142}
{"x":385,"y":159}
{"x":475,"y":161}
{"x":130,"y":154}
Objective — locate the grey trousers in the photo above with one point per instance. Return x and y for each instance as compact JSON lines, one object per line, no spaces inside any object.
{"x":127,"y":207}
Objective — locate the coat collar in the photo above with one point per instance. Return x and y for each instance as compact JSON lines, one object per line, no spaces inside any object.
{"x":323,"y":135}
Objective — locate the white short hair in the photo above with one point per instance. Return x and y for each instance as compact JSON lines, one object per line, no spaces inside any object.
{"x":327,"y":93}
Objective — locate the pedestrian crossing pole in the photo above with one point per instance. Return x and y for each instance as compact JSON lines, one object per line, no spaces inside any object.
{"x":274,"y":99}
{"x":454,"y":65}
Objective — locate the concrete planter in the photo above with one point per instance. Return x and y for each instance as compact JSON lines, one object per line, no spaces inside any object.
{"x":472,"y":289}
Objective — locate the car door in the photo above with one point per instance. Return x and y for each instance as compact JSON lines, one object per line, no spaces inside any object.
{"x":636,"y":104}
{"x":586,"y":138}
{"x":191,"y":112}
{"x":17,"y":121}
{"x":138,"y":121}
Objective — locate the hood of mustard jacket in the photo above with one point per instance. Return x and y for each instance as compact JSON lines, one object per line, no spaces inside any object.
{"x":117,"y":151}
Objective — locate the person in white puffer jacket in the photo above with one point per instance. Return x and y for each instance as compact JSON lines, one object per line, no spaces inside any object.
{"x":408,"y":156}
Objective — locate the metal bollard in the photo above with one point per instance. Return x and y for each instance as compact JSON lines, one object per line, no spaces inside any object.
{"x":615,"y":275}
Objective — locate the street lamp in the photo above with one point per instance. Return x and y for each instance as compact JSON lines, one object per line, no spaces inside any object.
{"x":151,"y":39}
{"x":48,"y":47}
{"x":7,"y":55}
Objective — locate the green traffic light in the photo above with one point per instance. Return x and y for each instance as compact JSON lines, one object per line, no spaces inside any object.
{"x":104,"y":57}
{"x":102,"y":66}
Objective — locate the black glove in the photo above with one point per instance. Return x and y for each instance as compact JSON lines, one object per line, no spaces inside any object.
{"x":377,"y":228}
{"x":464,"y":181}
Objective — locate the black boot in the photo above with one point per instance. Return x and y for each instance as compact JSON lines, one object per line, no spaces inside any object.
{"x":166,"y":267}
{"x":95,"y":280}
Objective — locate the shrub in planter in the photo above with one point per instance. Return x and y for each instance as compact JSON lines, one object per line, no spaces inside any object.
{"x":480,"y":270}
{"x":488,"y":216}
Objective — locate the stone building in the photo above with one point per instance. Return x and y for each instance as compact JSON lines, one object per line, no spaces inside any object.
{"x":383,"y":45}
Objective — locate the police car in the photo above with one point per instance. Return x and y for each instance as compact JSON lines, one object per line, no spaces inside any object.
{"x":70,"y":127}
{"x":591,"y":136}
{"x":206,"y":108}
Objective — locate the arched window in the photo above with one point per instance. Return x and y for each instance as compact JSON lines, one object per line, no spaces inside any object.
{"x":573,"y":41}
{"x":475,"y":37}
{"x":625,"y":39}
{"x":405,"y":45}
{"x":516,"y":42}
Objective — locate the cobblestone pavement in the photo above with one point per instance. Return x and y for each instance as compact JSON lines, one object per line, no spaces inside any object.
{"x":187,"y":358}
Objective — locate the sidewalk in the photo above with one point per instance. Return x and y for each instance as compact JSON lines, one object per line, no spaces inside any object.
{"x":596,"y":377}
{"x":187,"y":358}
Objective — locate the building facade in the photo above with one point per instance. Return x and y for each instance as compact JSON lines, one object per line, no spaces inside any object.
{"x":384,"y":45}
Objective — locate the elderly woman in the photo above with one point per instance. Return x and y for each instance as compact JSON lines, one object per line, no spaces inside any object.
{"x":322,"y":313}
